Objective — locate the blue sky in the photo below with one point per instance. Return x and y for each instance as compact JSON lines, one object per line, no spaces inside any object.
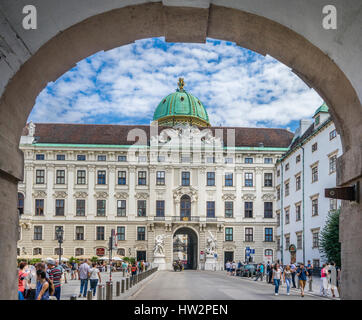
{"x":124,"y":86}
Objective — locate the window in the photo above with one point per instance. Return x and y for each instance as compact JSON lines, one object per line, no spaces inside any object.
{"x":268,"y":209}
{"x":297,"y":183}
{"x":228,"y":180}
{"x":317,"y":120}
{"x":210,"y":159}
{"x":268,"y":179}
{"x":268,"y":252}
{"x":315,"y":207}
{"x":141,"y":208}
{"x":268,"y":235}
{"x":61,"y":157}
{"x":122,"y":158}
{"x":278,"y":218}
{"x":297,"y":212}
{"x":314,"y":147}
{"x":314,"y":174}
{"x":332,"y":134}
{"x":332,"y":163}
{"x":101,"y":179}
{"x":20,"y":203}
{"x":57,"y":250}
{"x":249,"y":235}
{"x":121,"y":252}
{"x":248,"y":179}
{"x":142,"y":158}
{"x":39,"y":207}
{"x":210,"y":179}
{"x":278,"y":193}
{"x":39,"y":177}
{"x":228,"y":234}
{"x":287,"y":167}
{"x":315,"y":240}
{"x":185,"y":159}
{"x":141,"y":233}
{"x":60,"y":177}
{"x":142,"y":178}
{"x":210,"y":208}
{"x":268,"y":160}
{"x":122,"y":180}
{"x":121,"y":234}
{"x":79,"y":252}
{"x":248,"y":209}
{"x":161,"y":158}
{"x":248,"y":160}
{"x":81,"y":157}
{"x":278,"y":173}
{"x":101,"y":208}
{"x":287,"y":216}
{"x":287,"y":242}
{"x":81,"y":177}
{"x":228,"y":160}
{"x":229,"y":209}
{"x":80,"y":207}
{"x":79,"y":233}
{"x":297,"y":158}
{"x":100,"y":233}
{"x":39,"y":157}
{"x":316,"y":263}
{"x":160,"y":208}
{"x":287,"y":189}
{"x":121,"y":208}
{"x":37,"y":251}
{"x":160,"y":178}
{"x":59,"y":207}
{"x":102,"y":158}
{"x":299,"y":241}
{"x":332,"y":204}
{"x":185,"y":178}
{"x":38,"y":233}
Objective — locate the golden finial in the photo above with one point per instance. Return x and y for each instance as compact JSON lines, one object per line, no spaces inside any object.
{"x":181,"y":84}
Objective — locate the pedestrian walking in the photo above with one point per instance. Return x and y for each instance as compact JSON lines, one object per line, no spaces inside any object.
{"x":260,"y":272}
{"x":233,"y":267}
{"x":332,"y":277}
{"x":310,"y":275}
{"x":44,"y":287}
{"x":228,"y":267}
{"x":55,"y":275}
{"x":31,"y":280}
{"x":287,"y":277}
{"x":276,"y":278}
{"x":324,"y":281}
{"x":302,"y":274}
{"x":269,"y":272}
{"x":294,"y":269}
{"x":21,"y":280}
{"x":83,"y":274}
{"x":94,"y":276}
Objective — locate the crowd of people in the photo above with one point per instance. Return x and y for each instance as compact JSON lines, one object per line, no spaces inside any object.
{"x":277,"y":274}
{"x":43,"y":280}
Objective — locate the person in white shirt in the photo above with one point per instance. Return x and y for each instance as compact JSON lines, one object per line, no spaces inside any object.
{"x":228,"y":267}
{"x":94,"y":276}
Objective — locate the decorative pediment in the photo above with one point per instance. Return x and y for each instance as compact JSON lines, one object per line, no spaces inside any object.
{"x":121,"y":195}
{"x":228,"y":196}
{"x":101,"y":194}
{"x":142,"y":195}
{"x":80,"y":194}
{"x":248,"y":196}
{"x":185,"y":190}
{"x":268,"y":197}
{"x":60,"y":194}
{"x":39,"y":194}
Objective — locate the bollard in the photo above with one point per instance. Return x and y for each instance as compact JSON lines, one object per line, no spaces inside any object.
{"x":109,"y":290}
{"x":89,"y":295}
{"x":127,"y":283}
{"x":123,"y":272}
{"x":131,"y":281}
{"x":99,"y":293}
{"x":310,"y":285}
{"x":103,"y":292}
{"x":118,"y":288}
{"x":122,"y":286}
{"x":298,"y":284}
{"x":73,"y":297}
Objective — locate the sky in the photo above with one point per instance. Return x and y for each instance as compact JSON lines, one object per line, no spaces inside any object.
{"x":237,"y":86}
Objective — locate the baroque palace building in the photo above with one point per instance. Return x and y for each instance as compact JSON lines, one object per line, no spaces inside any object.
{"x":179,"y":177}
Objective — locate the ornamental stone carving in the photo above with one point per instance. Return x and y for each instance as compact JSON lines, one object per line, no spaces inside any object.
{"x":101,"y":194}
{"x":91,"y":168}
{"x":132,"y":168}
{"x":248,"y":196}
{"x":268,"y":197}
{"x":259,"y":170}
{"x":185,"y":190}
{"x":228,"y":196}
{"x":112,"y":168}
{"x":80,"y":194}
{"x":141,"y":195}
{"x":121,"y":195}
{"x":60,"y":194}
{"x":39,"y":194}
{"x":152,"y":169}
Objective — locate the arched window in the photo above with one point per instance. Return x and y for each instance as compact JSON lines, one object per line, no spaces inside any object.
{"x":37,"y":251}
{"x":268,"y":254}
{"x":121,"y":252}
{"x":56,"y":251}
{"x":79,"y":252}
{"x":185,"y":208}
{"x":20,"y":203}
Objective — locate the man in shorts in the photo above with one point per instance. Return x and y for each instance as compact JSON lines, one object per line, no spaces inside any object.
{"x":302,"y":274}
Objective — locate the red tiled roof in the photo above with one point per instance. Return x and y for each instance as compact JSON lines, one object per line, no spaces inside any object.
{"x":117,"y":134}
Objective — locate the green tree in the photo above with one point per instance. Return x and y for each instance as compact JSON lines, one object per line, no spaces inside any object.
{"x":94,"y":259}
{"x":329,"y":244}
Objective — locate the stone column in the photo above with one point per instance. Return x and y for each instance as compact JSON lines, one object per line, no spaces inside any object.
{"x":70,"y":199}
{"x":91,"y":205}
{"x":28,"y":201}
{"x":152,"y":197}
{"x":131,"y":199}
{"x":112,"y":201}
{"x":49,"y":209}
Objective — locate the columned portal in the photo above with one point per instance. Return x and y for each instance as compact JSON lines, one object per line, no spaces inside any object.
{"x":185,"y":247}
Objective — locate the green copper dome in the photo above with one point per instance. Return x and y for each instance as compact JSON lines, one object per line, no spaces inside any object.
{"x":322,"y":108}
{"x":181,"y":107}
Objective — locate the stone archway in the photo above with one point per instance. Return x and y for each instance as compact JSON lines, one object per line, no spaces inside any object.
{"x":179,"y":24}
{"x":186,"y":249}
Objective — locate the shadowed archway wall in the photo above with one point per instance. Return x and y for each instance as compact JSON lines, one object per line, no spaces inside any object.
{"x":179,"y":24}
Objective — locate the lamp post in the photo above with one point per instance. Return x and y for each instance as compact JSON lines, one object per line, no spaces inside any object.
{"x":59,"y":233}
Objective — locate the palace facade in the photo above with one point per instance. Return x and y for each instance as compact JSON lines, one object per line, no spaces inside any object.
{"x":177,"y":176}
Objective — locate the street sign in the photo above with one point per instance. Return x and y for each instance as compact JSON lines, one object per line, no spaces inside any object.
{"x":100,"y":252}
{"x":252,"y":251}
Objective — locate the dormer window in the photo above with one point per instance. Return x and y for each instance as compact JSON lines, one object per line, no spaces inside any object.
{"x":317,"y":120}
